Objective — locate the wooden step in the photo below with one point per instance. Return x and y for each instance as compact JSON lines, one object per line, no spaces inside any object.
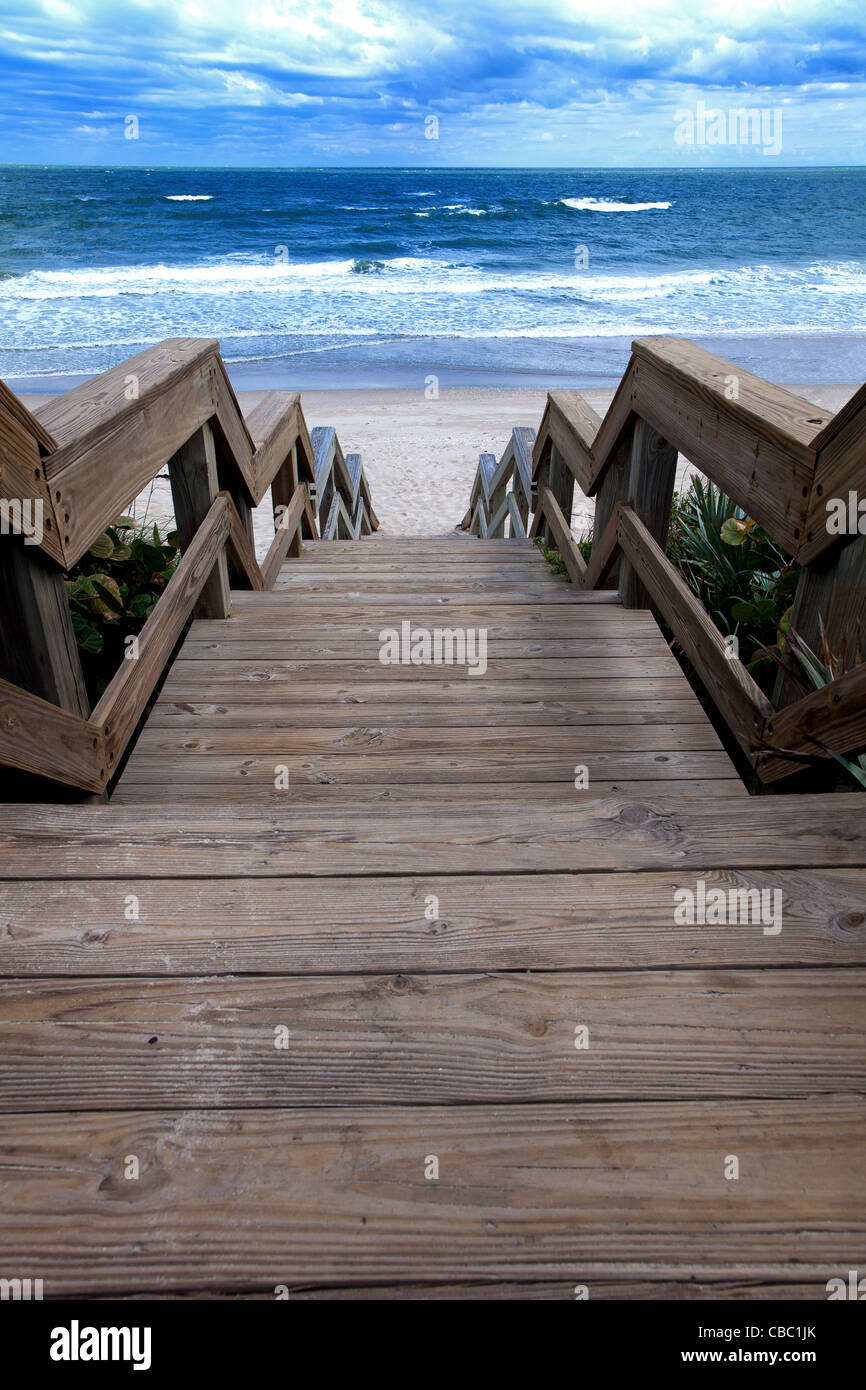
{"x":257,"y":1198}
{"x":599,"y":834}
{"x":533,"y":921}
{"x":431,"y":1040}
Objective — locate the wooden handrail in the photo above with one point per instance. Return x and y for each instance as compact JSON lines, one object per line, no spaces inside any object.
{"x":86,"y":453}
{"x":774,"y":453}
{"x":549,"y":507}
{"x":489,"y":505}
{"x":126,"y":696}
{"x":830,"y":719}
{"x":288,"y":528}
{"x":757,"y":441}
{"x":38,"y":738}
{"x":76,"y":463}
{"x":43,"y":740}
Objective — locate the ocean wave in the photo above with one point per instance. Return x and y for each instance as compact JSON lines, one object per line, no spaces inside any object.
{"x":608,"y":205}
{"x":188,"y":197}
{"x":411,"y":274}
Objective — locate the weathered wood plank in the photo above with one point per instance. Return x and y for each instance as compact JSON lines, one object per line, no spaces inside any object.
{"x":619,"y":833}
{"x":111,"y":446}
{"x":187,"y":770}
{"x":288,"y":531}
{"x":266,"y":796}
{"x":196,"y":684}
{"x":479,"y":611}
{"x":283,"y":647}
{"x":833,"y":717}
{"x":23,"y":442}
{"x":431,"y":1040}
{"x":241,"y":549}
{"x":352,"y":1202}
{"x":304,"y":714}
{"x":652,"y":475}
{"x":641,"y":1285}
{"x":297,"y":926}
{"x":273,"y":427}
{"x":528,"y":670}
{"x":548,"y":509}
{"x":38,"y":650}
{"x":756,"y":446}
{"x":742,"y":702}
{"x":838,"y":470}
{"x":194,"y":488}
{"x":566,"y":741}
{"x":40,"y":738}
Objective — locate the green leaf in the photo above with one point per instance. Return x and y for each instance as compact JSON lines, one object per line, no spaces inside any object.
{"x":125,"y":523}
{"x":88,"y":637}
{"x":154,"y":557}
{"x":141,"y":605}
{"x":734,"y":531}
{"x":108,"y":602}
{"x":103,"y":547}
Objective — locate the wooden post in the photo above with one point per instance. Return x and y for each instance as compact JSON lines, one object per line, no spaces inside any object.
{"x":194,"y":486}
{"x":283,"y":487}
{"x":614,"y":489}
{"x":37,"y":644}
{"x":830,"y":592}
{"x":652,"y":473}
{"x":555,"y":475}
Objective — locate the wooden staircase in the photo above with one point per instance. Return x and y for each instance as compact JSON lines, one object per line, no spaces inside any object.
{"x":372,"y":977}
{"x":293,"y":679}
{"x":421,"y":1023}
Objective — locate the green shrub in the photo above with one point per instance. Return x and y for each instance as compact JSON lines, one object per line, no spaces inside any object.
{"x":112,"y":592}
{"x":742,"y":578}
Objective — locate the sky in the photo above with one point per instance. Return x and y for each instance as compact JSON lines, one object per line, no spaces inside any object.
{"x":531,"y":83}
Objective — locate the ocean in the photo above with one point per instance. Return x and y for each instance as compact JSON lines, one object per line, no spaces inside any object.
{"x":384,"y":277}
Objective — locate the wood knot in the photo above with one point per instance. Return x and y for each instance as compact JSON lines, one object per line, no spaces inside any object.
{"x":847,"y":921}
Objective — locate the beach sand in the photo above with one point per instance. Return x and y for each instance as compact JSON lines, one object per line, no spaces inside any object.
{"x":420,"y":455}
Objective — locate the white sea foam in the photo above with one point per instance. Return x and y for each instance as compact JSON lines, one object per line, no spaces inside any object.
{"x":188,"y":197}
{"x":413,"y":274}
{"x":608,"y":205}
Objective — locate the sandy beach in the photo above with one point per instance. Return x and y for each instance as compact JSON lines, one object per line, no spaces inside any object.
{"x":420,"y":455}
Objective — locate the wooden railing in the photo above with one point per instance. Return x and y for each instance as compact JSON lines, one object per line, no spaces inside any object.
{"x":77,"y":463}
{"x":779,"y":457}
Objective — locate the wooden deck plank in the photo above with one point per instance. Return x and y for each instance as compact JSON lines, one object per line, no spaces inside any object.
{"x":326,"y":647}
{"x":358,"y":596}
{"x":523,"y":624}
{"x":568,"y":742}
{"x":185,"y":771}
{"x":430,"y":1040}
{"x":372,"y":795}
{"x":192,"y":683}
{"x":598,"y":834}
{"x":274,"y":607}
{"x":541,"y":922}
{"x":324,"y":672}
{"x":301,"y":714}
{"x":261,"y":1197}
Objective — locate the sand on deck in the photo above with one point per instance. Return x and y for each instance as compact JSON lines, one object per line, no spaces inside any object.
{"x":421,"y":455}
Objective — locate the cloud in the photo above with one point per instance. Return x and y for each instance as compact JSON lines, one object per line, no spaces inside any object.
{"x":365,"y":73}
